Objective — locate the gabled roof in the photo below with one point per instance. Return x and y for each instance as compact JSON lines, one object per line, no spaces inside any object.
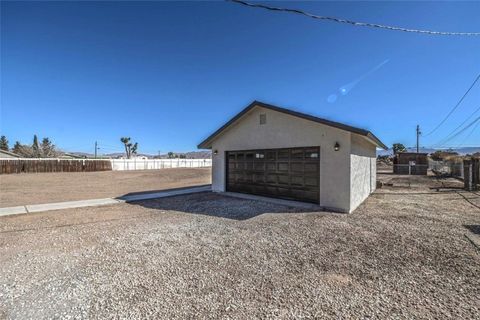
{"x":206,"y":144}
{"x":10,"y":153}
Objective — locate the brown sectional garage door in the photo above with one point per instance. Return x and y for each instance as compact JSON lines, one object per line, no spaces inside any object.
{"x":292,"y":173}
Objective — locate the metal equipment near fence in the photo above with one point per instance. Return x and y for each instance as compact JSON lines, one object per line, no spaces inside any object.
{"x":451,"y":168}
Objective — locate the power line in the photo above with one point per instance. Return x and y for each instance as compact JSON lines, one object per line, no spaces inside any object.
{"x":458,"y":133}
{"x":461,"y":124}
{"x":455,"y":107}
{"x":469,"y":135}
{"x":355,"y":23}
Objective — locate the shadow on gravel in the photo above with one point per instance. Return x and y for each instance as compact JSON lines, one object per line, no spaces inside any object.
{"x":160,"y":190}
{"x":474,"y":228}
{"x":212,"y":204}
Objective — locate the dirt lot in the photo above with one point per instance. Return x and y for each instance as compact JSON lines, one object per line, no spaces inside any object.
{"x":403,"y":254}
{"x":36,"y":188}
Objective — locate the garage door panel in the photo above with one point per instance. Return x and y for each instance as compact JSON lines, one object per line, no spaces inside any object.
{"x":271,"y":166}
{"x":259,"y":178}
{"x":310,"y":167}
{"x":271,"y":178}
{"x":297,"y":154}
{"x":259,"y":166}
{"x":284,"y":173}
{"x":283,"y":154}
{"x":297,"y":166}
{"x":259,"y":190}
{"x":312,"y":154}
{"x":305,"y":195}
{"x":311,"y":182}
{"x":283,"y":179}
{"x":297,"y":181}
{"x":283,"y":192}
{"x":282,"y":166}
{"x":271,"y":155}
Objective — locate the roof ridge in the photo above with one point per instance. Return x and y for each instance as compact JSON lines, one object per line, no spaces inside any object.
{"x":305,"y":116}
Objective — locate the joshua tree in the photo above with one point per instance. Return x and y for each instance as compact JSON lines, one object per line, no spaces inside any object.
{"x":130,"y":148}
{"x":134,"y":148}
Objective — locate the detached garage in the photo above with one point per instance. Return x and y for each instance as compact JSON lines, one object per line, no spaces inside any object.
{"x":275,"y":152}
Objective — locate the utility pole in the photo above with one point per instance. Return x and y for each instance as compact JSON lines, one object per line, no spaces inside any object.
{"x":418,"y":137}
{"x":96,"y":148}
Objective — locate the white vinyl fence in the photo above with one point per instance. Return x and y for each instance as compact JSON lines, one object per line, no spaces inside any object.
{"x":153,"y":164}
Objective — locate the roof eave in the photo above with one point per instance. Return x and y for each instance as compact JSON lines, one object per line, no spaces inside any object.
{"x":377,"y":141}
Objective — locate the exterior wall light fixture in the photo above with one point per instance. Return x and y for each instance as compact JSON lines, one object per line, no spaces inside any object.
{"x":215,"y":152}
{"x":337,"y":146}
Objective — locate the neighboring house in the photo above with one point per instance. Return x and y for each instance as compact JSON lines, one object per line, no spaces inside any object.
{"x":140,"y":157}
{"x":276,"y":152}
{"x":71,"y":156}
{"x":7,"y":154}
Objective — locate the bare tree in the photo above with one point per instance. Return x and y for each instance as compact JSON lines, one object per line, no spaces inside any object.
{"x":22,"y":150}
{"x":17,"y":148}
{"x":48,"y":149}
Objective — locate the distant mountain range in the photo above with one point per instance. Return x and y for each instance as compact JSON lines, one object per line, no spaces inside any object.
{"x":188,"y":155}
{"x":208,"y":154}
{"x":461,"y":151}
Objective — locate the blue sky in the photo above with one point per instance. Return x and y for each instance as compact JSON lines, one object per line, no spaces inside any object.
{"x":168,"y":74}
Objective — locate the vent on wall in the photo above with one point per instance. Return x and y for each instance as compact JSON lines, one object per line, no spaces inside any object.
{"x":263,"y":118}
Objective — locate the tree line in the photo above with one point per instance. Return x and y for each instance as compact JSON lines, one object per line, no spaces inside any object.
{"x":46,"y":148}
{"x":43,"y":149}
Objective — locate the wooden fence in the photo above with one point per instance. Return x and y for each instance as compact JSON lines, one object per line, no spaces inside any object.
{"x":53,"y":165}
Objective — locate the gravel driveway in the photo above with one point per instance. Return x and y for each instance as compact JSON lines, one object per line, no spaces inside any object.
{"x":402,"y":254}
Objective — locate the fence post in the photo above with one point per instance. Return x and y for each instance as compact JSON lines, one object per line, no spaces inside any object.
{"x":468,"y":175}
{"x":475,"y":174}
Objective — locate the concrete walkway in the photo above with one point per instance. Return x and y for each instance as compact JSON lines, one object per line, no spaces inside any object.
{"x":99,"y":202}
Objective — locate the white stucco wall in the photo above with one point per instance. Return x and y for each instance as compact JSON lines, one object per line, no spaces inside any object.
{"x":363,"y":168}
{"x":285,"y":131}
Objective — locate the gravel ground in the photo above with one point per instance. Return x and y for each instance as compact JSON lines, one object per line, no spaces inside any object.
{"x":402,"y":255}
{"x":36,"y":188}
